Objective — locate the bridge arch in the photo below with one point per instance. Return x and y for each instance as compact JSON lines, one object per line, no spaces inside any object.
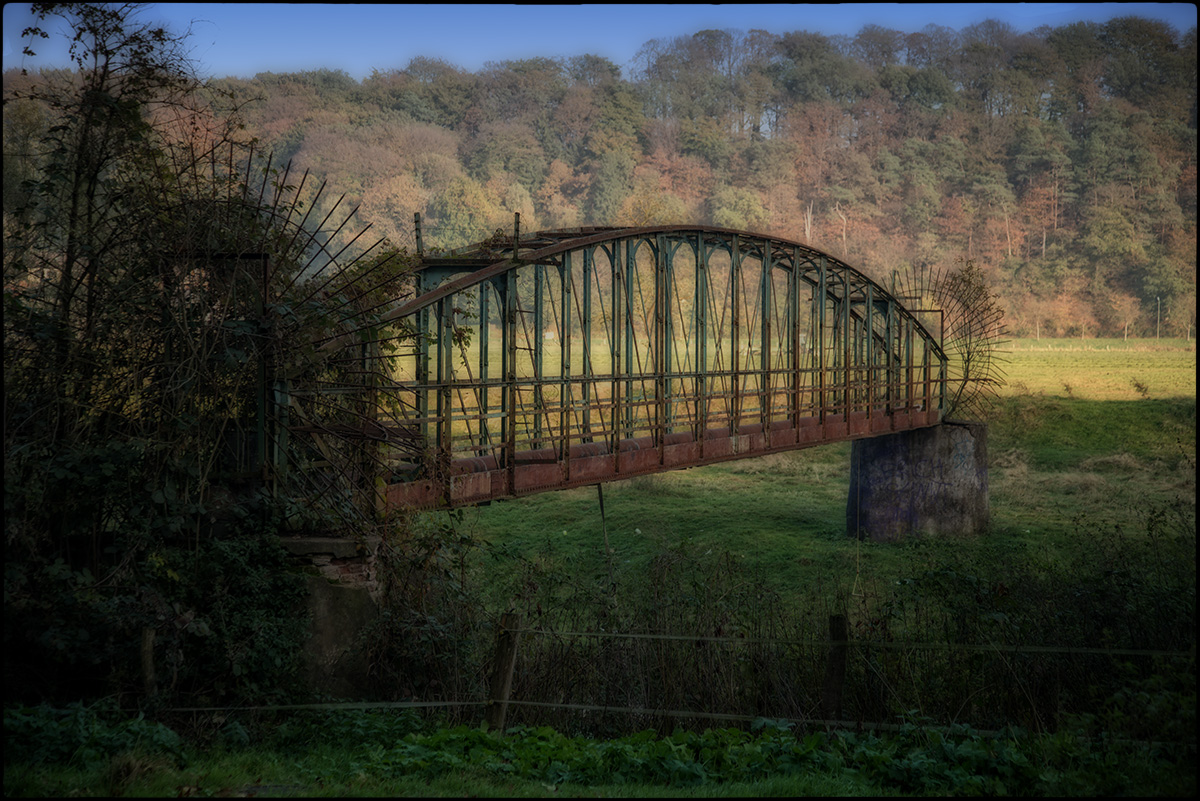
{"x":572,"y":357}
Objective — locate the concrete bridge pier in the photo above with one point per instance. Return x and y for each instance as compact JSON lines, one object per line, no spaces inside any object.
{"x":928,"y":481}
{"x":342,"y":604}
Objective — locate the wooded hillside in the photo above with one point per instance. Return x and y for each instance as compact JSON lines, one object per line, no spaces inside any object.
{"x":1062,"y":161}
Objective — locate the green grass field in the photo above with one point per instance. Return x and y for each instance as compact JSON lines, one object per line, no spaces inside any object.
{"x":1095,"y":454}
{"x":1101,"y":369}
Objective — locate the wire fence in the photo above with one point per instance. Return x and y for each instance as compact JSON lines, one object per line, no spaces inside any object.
{"x":1042,"y":649}
{"x":593,"y":682}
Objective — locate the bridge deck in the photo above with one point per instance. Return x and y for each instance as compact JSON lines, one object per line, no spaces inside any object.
{"x":481,"y":479}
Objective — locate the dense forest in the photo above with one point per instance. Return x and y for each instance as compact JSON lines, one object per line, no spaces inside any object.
{"x":1061,"y":161}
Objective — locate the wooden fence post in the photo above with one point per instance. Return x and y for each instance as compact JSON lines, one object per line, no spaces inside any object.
{"x":149,"y":681}
{"x":835,"y":668}
{"x":502,"y":672}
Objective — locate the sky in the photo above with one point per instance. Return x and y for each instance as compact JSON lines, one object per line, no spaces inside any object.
{"x":243,"y":39}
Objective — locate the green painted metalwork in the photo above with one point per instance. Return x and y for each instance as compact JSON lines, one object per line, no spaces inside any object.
{"x":565,"y":358}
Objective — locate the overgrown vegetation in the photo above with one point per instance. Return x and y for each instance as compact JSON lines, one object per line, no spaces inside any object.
{"x":384,"y":753}
{"x":431,"y":639}
{"x":156,"y":282}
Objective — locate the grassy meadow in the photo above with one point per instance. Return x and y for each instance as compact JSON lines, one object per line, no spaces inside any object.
{"x":1102,"y":369}
{"x":1084,"y":435}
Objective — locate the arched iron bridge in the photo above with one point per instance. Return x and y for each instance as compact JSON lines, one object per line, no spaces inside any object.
{"x":574,"y":357}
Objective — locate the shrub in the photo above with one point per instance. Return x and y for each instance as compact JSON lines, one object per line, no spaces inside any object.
{"x":82,"y":735}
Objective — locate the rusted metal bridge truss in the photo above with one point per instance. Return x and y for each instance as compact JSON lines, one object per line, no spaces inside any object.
{"x":568,"y":358}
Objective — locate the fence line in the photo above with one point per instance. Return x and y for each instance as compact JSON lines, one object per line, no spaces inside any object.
{"x":507,"y":651}
{"x":332,"y":706}
{"x":831,"y":687}
{"x":1044,"y":649}
{"x":671,"y":713}
{"x":675,"y":713}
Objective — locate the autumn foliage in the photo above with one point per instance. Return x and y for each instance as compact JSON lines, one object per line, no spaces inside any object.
{"x":1062,"y":161}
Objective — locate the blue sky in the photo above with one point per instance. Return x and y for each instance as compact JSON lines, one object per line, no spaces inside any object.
{"x":243,"y":39}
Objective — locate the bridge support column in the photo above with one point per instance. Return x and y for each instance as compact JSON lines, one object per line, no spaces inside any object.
{"x":928,"y":481}
{"x":340,"y":578}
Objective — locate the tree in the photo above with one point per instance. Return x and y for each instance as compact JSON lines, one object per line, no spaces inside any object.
{"x":992,"y":194}
{"x":461,"y":214}
{"x":592,"y":70}
{"x":100,"y":128}
{"x":920,"y":189}
{"x":704,"y":138}
{"x":571,"y":123}
{"x":618,"y":120}
{"x":1145,"y":65}
{"x":612,"y":184}
{"x":649,"y":204}
{"x":755,"y":95}
{"x":981,"y":66}
{"x":444,"y":89}
{"x":1077,"y":92}
{"x":524,"y":91}
{"x":810,"y":68}
{"x":741,"y":209}
{"x":877,"y":46}
{"x":390,"y":204}
{"x":932,"y":47}
{"x":25,"y":123}
{"x":1126,"y":309}
{"x":151,"y":293}
{"x":817,"y":131}
{"x":507,"y":147}
{"x":561,"y":195}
